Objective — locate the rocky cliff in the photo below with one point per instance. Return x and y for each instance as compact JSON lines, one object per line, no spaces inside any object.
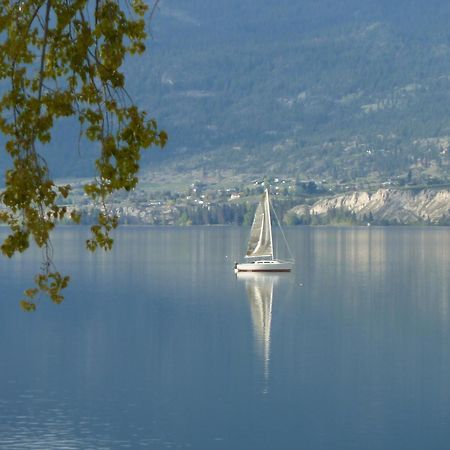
{"x":385,"y":206}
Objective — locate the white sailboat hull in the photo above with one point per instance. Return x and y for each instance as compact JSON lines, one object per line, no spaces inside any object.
{"x":269,"y":265}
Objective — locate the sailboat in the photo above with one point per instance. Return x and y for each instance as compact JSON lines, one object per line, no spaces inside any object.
{"x":260,"y":250}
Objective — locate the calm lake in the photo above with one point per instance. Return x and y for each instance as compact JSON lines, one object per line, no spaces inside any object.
{"x":160,"y":345}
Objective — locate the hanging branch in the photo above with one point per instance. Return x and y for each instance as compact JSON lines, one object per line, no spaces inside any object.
{"x":60,"y":64}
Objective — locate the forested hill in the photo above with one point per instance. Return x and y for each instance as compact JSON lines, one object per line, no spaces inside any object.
{"x":316,"y":88}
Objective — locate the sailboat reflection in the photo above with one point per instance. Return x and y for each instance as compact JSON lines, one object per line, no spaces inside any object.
{"x":260,"y":294}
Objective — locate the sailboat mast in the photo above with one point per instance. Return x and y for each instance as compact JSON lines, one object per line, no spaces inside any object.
{"x":269,"y":221}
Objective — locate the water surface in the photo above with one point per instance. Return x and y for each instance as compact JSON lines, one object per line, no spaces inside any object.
{"x":159,"y":345}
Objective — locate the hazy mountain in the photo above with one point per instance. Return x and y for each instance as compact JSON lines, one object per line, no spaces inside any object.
{"x":347,"y":88}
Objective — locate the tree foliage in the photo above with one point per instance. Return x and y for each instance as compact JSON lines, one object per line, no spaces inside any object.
{"x":63,"y":58}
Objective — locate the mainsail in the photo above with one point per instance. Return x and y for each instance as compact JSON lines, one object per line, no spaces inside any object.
{"x":260,"y":242}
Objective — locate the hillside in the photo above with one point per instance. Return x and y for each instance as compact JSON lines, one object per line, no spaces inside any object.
{"x":327,"y":90}
{"x":385,"y":206}
{"x":317,"y":89}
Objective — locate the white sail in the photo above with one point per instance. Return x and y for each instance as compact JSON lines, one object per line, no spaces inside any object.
{"x":260,"y":242}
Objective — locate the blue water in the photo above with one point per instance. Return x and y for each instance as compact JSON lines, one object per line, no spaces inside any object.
{"x":158,"y":344}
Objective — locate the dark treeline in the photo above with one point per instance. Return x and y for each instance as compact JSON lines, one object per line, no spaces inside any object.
{"x":213,"y":214}
{"x":226,"y":214}
{"x":242,"y":214}
{"x":239,"y":214}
